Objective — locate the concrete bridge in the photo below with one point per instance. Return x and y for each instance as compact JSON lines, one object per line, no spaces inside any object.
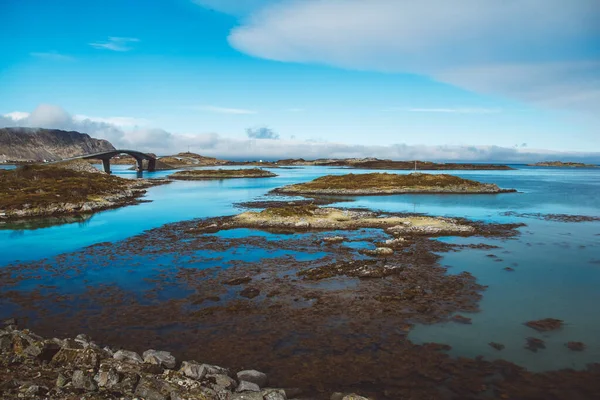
{"x":107,"y":155}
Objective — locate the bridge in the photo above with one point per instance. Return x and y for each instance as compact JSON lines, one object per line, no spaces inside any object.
{"x":107,"y":155}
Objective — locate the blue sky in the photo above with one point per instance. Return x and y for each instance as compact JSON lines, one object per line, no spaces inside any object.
{"x":377,"y":73}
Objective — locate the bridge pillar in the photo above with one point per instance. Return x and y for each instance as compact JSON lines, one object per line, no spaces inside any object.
{"x":140,"y":164}
{"x":106,"y":165}
{"x":152,"y":165}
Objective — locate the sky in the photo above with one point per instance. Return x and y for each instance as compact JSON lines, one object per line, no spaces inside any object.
{"x":438,"y":79}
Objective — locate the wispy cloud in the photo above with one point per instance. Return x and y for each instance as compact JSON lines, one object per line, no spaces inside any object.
{"x":123,"y":122}
{"x":468,"y":47}
{"x":52,"y":56}
{"x":225,"y":110}
{"x":456,"y":110}
{"x":116,"y":43}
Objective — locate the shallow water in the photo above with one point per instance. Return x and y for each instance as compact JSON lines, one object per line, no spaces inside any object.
{"x":557,"y":264}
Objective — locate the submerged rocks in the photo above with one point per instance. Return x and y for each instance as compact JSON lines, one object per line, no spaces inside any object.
{"x":546,"y":324}
{"x":497,"y":346}
{"x":575,"y":346}
{"x":237,"y":281}
{"x":535,"y":344}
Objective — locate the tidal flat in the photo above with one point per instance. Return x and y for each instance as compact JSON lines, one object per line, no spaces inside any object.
{"x":319,"y":306}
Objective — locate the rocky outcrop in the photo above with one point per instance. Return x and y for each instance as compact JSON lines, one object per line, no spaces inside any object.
{"x":32,"y":367}
{"x":36,"y":144}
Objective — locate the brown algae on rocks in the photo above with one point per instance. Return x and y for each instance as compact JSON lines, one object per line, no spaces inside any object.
{"x":385,"y":183}
{"x":203,"y":174}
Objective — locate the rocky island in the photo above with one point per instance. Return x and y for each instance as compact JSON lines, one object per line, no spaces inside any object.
{"x":384,"y":183}
{"x":376,"y":163}
{"x":67,"y":188}
{"x":562,"y":164}
{"x":203,"y":174}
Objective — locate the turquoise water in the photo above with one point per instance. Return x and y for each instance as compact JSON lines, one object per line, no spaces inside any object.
{"x":557,"y":264}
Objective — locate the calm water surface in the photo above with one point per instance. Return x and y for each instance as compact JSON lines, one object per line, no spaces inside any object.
{"x":557,"y":264}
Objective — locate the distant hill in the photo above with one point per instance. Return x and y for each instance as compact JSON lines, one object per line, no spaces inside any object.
{"x":36,"y":144}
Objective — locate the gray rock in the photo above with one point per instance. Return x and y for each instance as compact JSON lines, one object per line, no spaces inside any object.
{"x":163,"y":358}
{"x":107,"y":379}
{"x":151,"y":389}
{"x":127,"y":384}
{"x":354,"y":397}
{"x":215,"y":370}
{"x":43,"y":351}
{"x":223,"y":382}
{"x":245,"y":386}
{"x":274,"y":394}
{"x":82,"y":381}
{"x":129,"y":356}
{"x":253,"y":376}
{"x":83,"y":358}
{"x":193,"y":370}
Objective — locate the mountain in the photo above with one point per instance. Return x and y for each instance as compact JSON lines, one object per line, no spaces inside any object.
{"x":36,"y":144}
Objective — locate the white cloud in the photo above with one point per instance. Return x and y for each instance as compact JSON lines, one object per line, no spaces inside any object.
{"x":225,"y":110}
{"x":123,"y":122}
{"x":52,"y":56}
{"x":163,"y":142}
{"x":456,"y":110}
{"x":116,"y":43}
{"x":539,"y":51}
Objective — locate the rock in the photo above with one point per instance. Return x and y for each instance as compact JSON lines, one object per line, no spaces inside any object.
{"x":497,"y":346}
{"x":216,"y":370}
{"x":333,"y":239}
{"x":575,"y":346}
{"x":223,"y":382}
{"x":159,"y":358}
{"x":253,"y":376}
{"x":534,"y":344}
{"x":129,"y":356}
{"x":30,"y":389}
{"x":83,"y":358}
{"x":127,"y":384}
{"x":82,"y":381}
{"x":546,"y":324}
{"x":107,"y":379}
{"x":193,"y":370}
{"x":152,"y":389}
{"x":10,"y":322}
{"x":274,"y":394}
{"x":245,"y":386}
{"x":354,"y":397}
{"x":61,"y":381}
{"x":237,"y":281}
{"x":461,"y":319}
{"x":43,"y":351}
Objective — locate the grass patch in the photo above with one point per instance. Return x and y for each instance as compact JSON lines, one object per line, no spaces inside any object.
{"x":39,"y":186}
{"x":387,"y":181}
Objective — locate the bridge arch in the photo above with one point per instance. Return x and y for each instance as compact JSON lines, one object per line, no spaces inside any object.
{"x":107,"y":155}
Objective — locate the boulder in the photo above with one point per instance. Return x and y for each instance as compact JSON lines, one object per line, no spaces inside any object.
{"x":253,"y":376}
{"x":152,"y":389}
{"x":43,"y":351}
{"x":193,"y":370}
{"x":354,"y":397}
{"x":129,"y":356}
{"x":83,"y":358}
{"x":245,"y":386}
{"x":223,"y":382}
{"x":163,"y":358}
{"x":107,"y":379}
{"x":81,"y":380}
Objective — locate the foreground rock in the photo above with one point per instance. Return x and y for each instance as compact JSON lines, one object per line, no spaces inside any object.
{"x":203,"y":174}
{"x":51,"y":190}
{"x":79,"y":368}
{"x":384,"y":183}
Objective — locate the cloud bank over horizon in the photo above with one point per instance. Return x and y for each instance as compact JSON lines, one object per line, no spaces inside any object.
{"x":270,"y":146}
{"x":542,"y":52}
